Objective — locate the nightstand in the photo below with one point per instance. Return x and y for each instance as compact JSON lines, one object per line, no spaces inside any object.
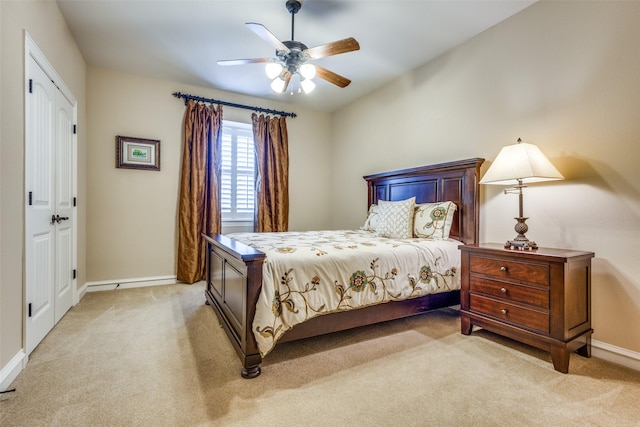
{"x":540,"y":297}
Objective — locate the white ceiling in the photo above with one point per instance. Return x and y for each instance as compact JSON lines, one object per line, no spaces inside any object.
{"x":181,"y":40}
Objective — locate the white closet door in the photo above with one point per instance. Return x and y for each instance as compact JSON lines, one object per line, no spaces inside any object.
{"x":50,"y":160}
{"x":64,"y":155}
{"x":40,"y":230}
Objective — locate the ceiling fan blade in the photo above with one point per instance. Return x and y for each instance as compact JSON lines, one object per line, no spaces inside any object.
{"x":267,"y":36}
{"x":332,"y":77}
{"x":334,"y":48}
{"x":243,"y":61}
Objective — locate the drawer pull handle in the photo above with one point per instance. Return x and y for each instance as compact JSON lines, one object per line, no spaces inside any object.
{"x":504,"y":311}
{"x":503,"y":290}
{"x":503,"y":268}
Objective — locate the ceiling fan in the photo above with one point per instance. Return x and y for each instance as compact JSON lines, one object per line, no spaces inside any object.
{"x":293,"y":57}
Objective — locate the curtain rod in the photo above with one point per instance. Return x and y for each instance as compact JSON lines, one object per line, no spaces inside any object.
{"x":231,"y":104}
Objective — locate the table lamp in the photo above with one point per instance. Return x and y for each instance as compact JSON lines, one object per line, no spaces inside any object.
{"x":518,"y":165}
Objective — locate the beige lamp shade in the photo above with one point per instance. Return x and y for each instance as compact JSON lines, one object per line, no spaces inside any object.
{"x":523,"y":162}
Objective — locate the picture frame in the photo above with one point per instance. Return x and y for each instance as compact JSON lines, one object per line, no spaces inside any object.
{"x":137,"y":153}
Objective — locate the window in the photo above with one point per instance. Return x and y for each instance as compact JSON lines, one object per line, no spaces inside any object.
{"x":238,"y":172}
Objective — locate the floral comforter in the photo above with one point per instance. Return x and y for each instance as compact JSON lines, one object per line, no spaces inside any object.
{"x":307,"y":274}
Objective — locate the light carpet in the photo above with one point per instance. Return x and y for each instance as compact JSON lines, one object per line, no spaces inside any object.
{"x":156,"y":356}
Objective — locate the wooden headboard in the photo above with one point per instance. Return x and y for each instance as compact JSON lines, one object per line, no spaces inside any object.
{"x":454,"y":181}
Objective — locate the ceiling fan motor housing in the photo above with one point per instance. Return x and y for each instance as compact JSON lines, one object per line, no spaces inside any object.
{"x":295,"y":57}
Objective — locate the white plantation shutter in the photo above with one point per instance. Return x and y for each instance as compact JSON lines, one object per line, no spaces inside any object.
{"x":238,"y":171}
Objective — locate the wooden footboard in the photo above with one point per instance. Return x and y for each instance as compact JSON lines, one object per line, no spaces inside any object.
{"x":234,"y":270}
{"x":234,"y":280}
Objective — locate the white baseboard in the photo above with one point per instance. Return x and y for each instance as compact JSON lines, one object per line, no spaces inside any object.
{"x":614,"y":354}
{"x":10,"y":372}
{"x":139,"y":282}
{"x":82,"y":291}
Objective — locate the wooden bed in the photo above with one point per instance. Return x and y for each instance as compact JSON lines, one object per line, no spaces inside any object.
{"x":234,"y":270}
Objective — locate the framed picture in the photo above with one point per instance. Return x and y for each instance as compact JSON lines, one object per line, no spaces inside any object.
{"x":137,"y":153}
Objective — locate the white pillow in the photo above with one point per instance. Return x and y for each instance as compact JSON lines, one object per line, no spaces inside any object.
{"x":373,"y":219}
{"x":396,"y":218}
{"x":433,"y":220}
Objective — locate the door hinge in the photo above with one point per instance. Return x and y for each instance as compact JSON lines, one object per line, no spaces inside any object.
{"x":75,"y":129}
{"x":74,"y":273}
{"x":29,"y":309}
{"x":30,"y":85}
{"x":75,"y":201}
{"x":30,"y":198}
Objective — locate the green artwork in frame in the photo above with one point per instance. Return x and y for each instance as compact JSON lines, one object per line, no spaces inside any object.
{"x":137,"y":153}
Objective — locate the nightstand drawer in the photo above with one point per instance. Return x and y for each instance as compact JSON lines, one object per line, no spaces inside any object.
{"x":530,"y":319}
{"x":504,"y":269}
{"x":538,"y":297}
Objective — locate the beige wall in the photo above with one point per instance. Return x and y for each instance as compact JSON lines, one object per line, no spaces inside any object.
{"x":562,"y":75}
{"x":44,"y":23}
{"x":132,"y":214}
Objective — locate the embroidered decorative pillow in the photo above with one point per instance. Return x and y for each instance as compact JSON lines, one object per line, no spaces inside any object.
{"x":433,"y":220}
{"x":373,"y":219}
{"x":396,"y":218}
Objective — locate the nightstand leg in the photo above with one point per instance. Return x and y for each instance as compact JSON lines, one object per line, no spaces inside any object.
{"x":465,"y":325}
{"x":560,"y":355}
{"x":585,"y":350}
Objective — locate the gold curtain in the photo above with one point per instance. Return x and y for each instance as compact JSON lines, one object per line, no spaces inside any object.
{"x":271,"y":140}
{"x":199,"y":205}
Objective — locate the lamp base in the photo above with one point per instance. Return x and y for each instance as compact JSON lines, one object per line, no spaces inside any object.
{"x":521,"y":242}
{"x":520,"y":245}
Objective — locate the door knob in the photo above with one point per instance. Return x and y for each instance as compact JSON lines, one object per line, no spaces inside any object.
{"x":58,"y":218}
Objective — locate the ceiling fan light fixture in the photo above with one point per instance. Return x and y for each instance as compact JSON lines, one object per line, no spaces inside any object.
{"x":308,"y":71}
{"x":292,"y":57}
{"x":278,"y":85}
{"x":273,"y":69}
{"x":307,"y":85}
